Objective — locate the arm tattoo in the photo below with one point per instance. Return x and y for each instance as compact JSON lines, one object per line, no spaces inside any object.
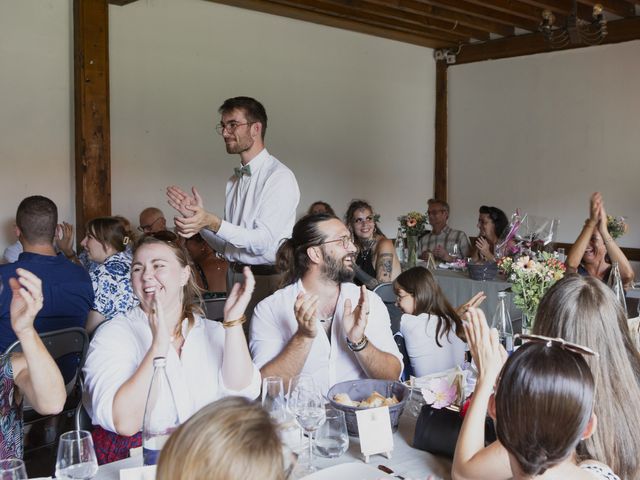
{"x":385,"y":265}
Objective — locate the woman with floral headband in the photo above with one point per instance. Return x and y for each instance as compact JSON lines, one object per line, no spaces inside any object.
{"x":377,"y":261}
{"x":106,"y":244}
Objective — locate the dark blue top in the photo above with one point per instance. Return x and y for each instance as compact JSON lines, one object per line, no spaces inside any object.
{"x":67,"y":290}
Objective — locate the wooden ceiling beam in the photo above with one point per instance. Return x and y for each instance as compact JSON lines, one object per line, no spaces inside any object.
{"x":429,"y":40}
{"x":561,"y":7}
{"x":486,"y":13}
{"x":413,"y":7}
{"x":623,"y":30}
{"x":356,"y":10}
{"x":520,"y":8}
{"x":121,"y":2}
{"x":619,"y":7}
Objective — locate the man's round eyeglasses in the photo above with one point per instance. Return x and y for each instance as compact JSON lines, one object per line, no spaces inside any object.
{"x":346,"y":241}
{"x":147,"y":228}
{"x":230,"y":127}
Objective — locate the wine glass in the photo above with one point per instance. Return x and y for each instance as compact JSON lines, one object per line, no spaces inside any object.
{"x":273,"y":398}
{"x":293,"y":435}
{"x":12,"y":469}
{"x":310,"y":414}
{"x":332,"y":438}
{"x":454,"y":253}
{"x":76,"y":457}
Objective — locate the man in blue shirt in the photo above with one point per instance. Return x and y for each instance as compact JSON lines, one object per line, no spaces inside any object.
{"x":66,"y":287}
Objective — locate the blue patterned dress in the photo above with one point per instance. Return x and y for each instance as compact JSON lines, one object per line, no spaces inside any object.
{"x":11,"y":428}
{"x":112,"y":286}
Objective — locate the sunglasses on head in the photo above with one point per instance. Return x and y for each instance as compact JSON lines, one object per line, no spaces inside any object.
{"x":557,"y":342}
{"x":163,"y":236}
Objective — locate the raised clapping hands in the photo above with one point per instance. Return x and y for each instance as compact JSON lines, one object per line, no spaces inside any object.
{"x":474,"y":302}
{"x":162,"y":337}
{"x":440,"y":253}
{"x":26,"y":300}
{"x":239,"y":297}
{"x":306,"y":311}
{"x":355,"y":321}
{"x":194,"y":217}
{"x":483,"y":247}
{"x":64,"y":238}
{"x":485,"y":347}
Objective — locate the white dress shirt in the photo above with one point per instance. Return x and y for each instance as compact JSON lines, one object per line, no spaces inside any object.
{"x":195,"y":376}
{"x":274,"y":323}
{"x":260,"y":211}
{"x":426,"y":356}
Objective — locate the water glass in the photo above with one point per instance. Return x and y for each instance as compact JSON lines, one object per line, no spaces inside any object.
{"x":76,"y":457}
{"x":561,"y":255}
{"x":332,"y":438}
{"x":273,"y":398}
{"x":12,"y":469}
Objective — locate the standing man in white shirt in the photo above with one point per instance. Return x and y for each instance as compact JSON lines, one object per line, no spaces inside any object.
{"x":260,"y":203}
{"x":321,"y":323}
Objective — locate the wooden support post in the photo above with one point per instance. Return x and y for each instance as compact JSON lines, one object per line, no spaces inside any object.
{"x":440,"y":177}
{"x":92,"y":133}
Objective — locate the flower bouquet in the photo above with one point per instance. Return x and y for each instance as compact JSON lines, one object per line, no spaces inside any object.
{"x":413,"y":224}
{"x":530,"y":277}
{"x":617,"y":226}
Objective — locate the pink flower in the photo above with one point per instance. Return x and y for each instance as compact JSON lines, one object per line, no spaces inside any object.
{"x":411,"y":222}
{"x":439,"y":393}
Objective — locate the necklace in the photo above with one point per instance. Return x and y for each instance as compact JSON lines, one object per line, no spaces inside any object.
{"x":367,"y":247}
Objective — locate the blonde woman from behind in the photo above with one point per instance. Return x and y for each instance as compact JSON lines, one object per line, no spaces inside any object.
{"x":230,"y":439}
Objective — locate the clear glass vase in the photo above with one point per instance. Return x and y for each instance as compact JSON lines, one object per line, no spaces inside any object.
{"x":412,"y":249}
{"x":527,"y":322}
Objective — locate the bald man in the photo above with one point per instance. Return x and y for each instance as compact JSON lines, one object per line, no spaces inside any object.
{"x":152,"y":220}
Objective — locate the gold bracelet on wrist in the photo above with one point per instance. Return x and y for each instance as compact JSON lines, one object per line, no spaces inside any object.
{"x":233,"y":323}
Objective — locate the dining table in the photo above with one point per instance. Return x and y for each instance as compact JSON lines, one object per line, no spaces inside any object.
{"x":405,"y":460}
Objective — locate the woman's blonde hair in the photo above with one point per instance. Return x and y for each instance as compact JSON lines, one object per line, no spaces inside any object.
{"x":583,"y":310}
{"x":230,"y":439}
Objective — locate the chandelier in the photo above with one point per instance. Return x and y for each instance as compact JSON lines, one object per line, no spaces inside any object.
{"x":575,"y":31}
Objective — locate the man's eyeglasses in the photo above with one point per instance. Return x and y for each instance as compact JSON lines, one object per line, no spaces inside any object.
{"x":558,"y":342}
{"x":434,"y":212}
{"x":147,"y":228}
{"x":346,"y":241}
{"x":230,"y":127}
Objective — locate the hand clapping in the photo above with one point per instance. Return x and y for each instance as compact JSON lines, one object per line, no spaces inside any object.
{"x":355,"y":322}
{"x":26,"y":300}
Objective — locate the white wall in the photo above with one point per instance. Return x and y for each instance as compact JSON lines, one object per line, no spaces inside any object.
{"x":352,"y":115}
{"x":543,"y":132}
{"x":36,"y":113}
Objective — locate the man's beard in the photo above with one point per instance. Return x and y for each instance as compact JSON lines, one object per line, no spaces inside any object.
{"x":334,"y":269}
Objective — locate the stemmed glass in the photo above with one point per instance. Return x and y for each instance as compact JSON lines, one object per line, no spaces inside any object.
{"x":455,"y":252}
{"x":310,"y":414}
{"x":12,"y":469}
{"x":76,"y":457}
{"x":297,"y":382}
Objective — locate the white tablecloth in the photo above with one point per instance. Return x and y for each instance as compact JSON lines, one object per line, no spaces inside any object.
{"x":405,"y":461}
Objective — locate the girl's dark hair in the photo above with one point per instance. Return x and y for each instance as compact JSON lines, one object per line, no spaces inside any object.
{"x":191,"y":293}
{"x":349,"y":218}
{"x":325,"y":205}
{"x":544,"y":403}
{"x":498,"y":217}
{"x":292,"y":259}
{"x":585,"y":311}
{"x":109,"y":231}
{"x":429,"y":298}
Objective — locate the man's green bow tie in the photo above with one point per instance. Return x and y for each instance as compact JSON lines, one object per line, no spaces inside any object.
{"x":240,"y":171}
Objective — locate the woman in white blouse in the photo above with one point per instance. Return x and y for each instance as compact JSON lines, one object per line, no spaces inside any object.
{"x":431,"y":327}
{"x":206,"y":360}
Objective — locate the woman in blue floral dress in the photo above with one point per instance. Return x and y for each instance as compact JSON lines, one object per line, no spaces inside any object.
{"x":106,"y":244}
{"x":32,"y":373}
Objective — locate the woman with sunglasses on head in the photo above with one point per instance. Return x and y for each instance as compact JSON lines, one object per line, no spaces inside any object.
{"x":492,"y":222}
{"x":584,"y":310}
{"x":543,"y":408}
{"x":106,"y":243}
{"x":206,"y":360}
{"x":595,"y":248}
{"x":377,"y":261}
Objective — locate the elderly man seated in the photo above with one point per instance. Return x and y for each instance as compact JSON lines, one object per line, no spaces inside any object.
{"x":152,"y":220}
{"x":320,"y":323}
{"x":442,"y":239}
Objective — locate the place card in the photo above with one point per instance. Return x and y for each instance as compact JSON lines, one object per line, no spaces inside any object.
{"x":138,"y":473}
{"x":374,"y":428}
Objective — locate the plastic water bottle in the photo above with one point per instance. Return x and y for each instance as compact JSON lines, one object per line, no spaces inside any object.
{"x":502,"y":322}
{"x":615,"y":283}
{"x":399,"y":245}
{"x":160,"y":414}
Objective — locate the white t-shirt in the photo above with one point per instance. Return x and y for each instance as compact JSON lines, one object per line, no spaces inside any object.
{"x":426,"y":356}
{"x":195,"y":376}
{"x":274,"y":323}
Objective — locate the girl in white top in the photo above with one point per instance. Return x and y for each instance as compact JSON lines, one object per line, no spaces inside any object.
{"x":206,"y":360}
{"x":542,"y":408}
{"x":431,"y":327}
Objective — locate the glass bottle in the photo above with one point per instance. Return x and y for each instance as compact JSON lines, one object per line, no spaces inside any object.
{"x":399,"y":246}
{"x":502,"y":322}
{"x":160,"y":414}
{"x":615,"y":283}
